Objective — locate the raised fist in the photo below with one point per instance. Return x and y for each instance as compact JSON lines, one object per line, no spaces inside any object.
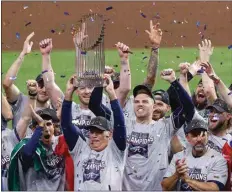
{"x":184,"y":68}
{"x":168,"y":75}
{"x":123,"y":50}
{"x":109,"y":70}
{"x":45,"y":46}
{"x":32,"y":87}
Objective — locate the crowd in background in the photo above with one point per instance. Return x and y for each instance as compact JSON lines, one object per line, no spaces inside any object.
{"x":151,"y":140}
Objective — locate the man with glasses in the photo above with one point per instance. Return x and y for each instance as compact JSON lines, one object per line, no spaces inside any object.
{"x":198,"y":167}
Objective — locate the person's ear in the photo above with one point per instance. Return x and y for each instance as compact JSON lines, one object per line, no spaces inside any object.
{"x":187,"y":137}
{"x":168,"y":108}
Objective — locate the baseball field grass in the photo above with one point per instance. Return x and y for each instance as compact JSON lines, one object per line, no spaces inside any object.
{"x":63,"y":64}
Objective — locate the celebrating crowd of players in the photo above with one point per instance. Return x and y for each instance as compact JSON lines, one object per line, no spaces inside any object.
{"x":151,"y":140}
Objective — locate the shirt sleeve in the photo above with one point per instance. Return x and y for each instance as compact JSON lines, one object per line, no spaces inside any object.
{"x":171,"y":168}
{"x":218,"y":171}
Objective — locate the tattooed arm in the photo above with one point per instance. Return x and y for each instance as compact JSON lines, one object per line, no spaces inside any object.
{"x":152,"y":69}
{"x":155,"y":36}
{"x":125,"y":77}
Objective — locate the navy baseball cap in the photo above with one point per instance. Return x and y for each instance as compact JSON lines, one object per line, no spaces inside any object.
{"x":39,"y":78}
{"x":46,"y":114}
{"x":146,"y":90}
{"x":101,"y":123}
{"x":196,"y":124}
{"x":220,"y":106}
{"x":161,"y":95}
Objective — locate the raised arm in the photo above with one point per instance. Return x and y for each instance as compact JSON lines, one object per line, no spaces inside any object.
{"x":25,"y":119}
{"x":184,"y":67}
{"x":125,"y":74}
{"x":12,"y":92}
{"x":119,"y":132}
{"x":187,"y":106}
{"x":96,"y":106}
{"x":155,"y":36}
{"x":192,"y":71}
{"x":52,"y":88}
{"x":70,"y":131}
{"x":6,"y":109}
{"x":221,"y":87}
{"x":206,"y":50}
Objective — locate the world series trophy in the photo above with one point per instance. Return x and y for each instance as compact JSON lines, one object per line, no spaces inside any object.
{"x":90,"y":65}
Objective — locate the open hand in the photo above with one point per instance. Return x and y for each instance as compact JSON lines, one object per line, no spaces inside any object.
{"x":155,"y":34}
{"x":79,"y":36}
{"x":205,"y":50}
{"x":28,"y":44}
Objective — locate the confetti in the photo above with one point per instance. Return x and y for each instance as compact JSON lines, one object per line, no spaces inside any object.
{"x":145,"y":57}
{"x":157,"y":16}
{"x":230,"y":47}
{"x":198,"y":23}
{"x":143,"y":71}
{"x":27,"y":24}
{"x":136,"y":31}
{"x":66,"y":13}
{"x":25,"y":7}
{"x":142,"y":14}
{"x":30,"y":15}
{"x":18,"y":35}
{"x":221,"y":63}
{"x":205,"y":27}
{"x":13,"y":78}
{"x":227,"y":8}
{"x":177,"y":57}
{"x":91,"y":18}
{"x":109,"y":8}
{"x":174,"y":21}
{"x":63,"y":76}
{"x":83,"y":52}
{"x":115,"y":65}
{"x":153,"y":3}
{"x":53,"y":31}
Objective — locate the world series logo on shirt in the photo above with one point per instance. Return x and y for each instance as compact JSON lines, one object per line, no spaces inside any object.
{"x":92,"y":168}
{"x":138,"y":143}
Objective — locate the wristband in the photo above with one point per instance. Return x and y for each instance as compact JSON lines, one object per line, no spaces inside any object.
{"x":216,"y":80}
{"x":45,"y":71}
{"x":154,"y":49}
{"x":32,"y":94}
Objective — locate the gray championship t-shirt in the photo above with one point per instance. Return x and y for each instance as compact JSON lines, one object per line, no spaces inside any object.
{"x":53,"y":176}
{"x":128,"y":109}
{"x":81,"y":118}
{"x":9,"y":140}
{"x":210,"y":167}
{"x":147,"y":154}
{"x":97,"y":170}
{"x":17,"y":108}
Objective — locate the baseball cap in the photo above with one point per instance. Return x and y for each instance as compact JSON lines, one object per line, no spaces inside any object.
{"x":196,"y":124}
{"x":142,"y":87}
{"x":39,"y":78}
{"x":220,"y":106}
{"x":116,"y":77}
{"x":163,"y":94}
{"x":46,"y":114}
{"x":101,"y":123}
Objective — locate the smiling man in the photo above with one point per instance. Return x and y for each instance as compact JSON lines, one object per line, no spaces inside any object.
{"x":198,"y":167}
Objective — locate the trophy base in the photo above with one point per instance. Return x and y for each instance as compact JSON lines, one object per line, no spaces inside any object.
{"x":89,"y":82}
